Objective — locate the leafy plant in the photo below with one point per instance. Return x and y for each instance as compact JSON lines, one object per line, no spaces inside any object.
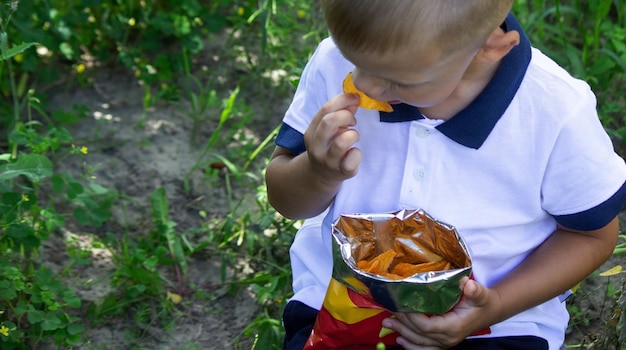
{"x":7,"y":54}
{"x":34,"y":303}
{"x":33,"y":308}
{"x":588,"y":39}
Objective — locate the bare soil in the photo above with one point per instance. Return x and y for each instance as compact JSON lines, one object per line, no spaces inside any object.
{"x":135,"y":160}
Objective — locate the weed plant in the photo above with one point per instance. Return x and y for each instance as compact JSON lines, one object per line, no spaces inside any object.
{"x":589,"y":39}
{"x":34,"y":305}
{"x":44,"y":42}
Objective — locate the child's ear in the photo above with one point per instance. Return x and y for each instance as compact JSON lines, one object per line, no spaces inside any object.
{"x":498,"y":45}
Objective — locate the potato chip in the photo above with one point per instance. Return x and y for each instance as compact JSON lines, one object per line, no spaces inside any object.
{"x":364,"y":100}
{"x":380,"y":264}
{"x":363,"y":265}
{"x":386,"y":265}
{"x":407,"y":270}
{"x":391,"y":276}
{"x":410,"y":251}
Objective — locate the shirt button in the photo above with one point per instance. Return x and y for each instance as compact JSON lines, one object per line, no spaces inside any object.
{"x":419,"y":174}
{"x":422,"y":132}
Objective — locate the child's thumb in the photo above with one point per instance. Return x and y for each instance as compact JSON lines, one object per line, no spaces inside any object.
{"x":475,"y":294}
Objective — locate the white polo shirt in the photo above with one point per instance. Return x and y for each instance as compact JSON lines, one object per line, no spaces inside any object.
{"x":527,"y":153}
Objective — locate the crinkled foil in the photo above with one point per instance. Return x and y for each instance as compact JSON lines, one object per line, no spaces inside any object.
{"x":363,"y":236}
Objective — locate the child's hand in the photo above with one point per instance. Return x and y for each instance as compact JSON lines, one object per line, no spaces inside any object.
{"x":330,"y":138}
{"x":477,"y":307}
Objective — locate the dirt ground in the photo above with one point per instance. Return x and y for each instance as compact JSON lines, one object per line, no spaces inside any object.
{"x":137,"y":160}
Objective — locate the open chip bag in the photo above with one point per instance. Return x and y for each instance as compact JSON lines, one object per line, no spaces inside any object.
{"x":405,"y":261}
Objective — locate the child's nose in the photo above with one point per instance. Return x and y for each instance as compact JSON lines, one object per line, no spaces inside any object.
{"x":372,"y":86}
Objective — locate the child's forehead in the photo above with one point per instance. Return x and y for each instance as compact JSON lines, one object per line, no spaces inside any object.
{"x":396,"y":57}
{"x":406,"y":66}
{"x":406,"y":39}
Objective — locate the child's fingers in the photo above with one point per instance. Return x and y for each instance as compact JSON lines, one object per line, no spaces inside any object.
{"x":341,"y":141}
{"x":340,"y":102}
{"x":350,"y":163}
{"x":336,"y":151}
{"x":330,"y":138}
{"x":412,"y":336}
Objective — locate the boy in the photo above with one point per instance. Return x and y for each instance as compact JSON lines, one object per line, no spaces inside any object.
{"x":487,"y":134}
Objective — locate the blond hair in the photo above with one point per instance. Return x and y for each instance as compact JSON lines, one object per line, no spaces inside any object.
{"x":385,"y":25}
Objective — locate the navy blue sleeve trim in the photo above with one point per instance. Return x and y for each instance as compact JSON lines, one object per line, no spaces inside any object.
{"x":290,"y":139}
{"x":597,"y":217}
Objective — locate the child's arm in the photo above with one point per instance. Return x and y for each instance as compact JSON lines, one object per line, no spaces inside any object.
{"x":303,"y":186}
{"x":563,"y":260}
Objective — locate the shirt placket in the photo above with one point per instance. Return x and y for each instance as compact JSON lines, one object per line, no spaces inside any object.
{"x":420,"y":165}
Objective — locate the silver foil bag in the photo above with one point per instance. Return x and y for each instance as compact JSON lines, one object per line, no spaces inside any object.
{"x":414,"y":236}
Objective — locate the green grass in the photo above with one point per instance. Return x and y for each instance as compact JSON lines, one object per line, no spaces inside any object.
{"x":159,"y":44}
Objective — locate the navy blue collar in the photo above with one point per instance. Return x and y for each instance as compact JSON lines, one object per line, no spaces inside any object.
{"x":471,"y":126}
